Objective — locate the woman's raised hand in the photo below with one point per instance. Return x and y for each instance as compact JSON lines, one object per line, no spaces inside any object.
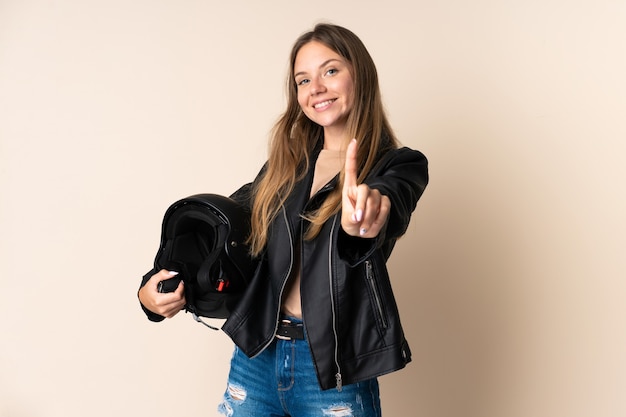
{"x":364,"y":210}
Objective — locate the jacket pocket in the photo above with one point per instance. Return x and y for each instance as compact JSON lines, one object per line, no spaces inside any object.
{"x":375,"y":295}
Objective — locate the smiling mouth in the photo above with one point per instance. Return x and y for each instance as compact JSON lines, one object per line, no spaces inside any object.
{"x":324,"y":104}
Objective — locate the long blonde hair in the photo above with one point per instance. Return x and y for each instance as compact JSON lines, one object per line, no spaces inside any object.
{"x":294,"y":136}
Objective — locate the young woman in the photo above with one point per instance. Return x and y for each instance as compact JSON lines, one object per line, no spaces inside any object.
{"x":319,"y":322}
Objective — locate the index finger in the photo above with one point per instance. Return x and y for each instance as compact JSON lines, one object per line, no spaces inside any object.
{"x":350,"y":166}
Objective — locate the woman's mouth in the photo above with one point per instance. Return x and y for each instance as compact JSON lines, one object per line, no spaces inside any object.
{"x":323,"y":104}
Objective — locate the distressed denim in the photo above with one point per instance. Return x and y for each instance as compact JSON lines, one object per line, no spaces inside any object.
{"x":282,"y":382}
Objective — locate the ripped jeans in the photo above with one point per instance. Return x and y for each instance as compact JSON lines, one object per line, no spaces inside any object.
{"x":282,"y":382}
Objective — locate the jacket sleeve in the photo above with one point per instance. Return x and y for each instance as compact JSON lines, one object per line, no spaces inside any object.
{"x":244,"y":195}
{"x":401,"y":175}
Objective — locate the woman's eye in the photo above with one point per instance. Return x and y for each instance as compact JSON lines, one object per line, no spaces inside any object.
{"x":302,"y":82}
{"x":331,"y":71}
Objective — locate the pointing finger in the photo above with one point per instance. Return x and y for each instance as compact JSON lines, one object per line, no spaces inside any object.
{"x":350,"y":166}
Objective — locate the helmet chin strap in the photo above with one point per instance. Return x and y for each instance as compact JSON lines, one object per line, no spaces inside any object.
{"x":204,"y":276}
{"x":199,"y":320}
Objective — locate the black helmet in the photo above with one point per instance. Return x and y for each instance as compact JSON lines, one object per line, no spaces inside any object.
{"x":203,"y":239}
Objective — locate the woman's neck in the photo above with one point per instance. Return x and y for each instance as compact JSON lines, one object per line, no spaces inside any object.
{"x":335,"y":140}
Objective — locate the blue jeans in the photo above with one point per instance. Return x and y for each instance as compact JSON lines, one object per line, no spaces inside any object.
{"x":281,"y":382}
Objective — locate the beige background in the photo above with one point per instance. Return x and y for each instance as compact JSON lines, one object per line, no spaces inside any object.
{"x":510,"y":280}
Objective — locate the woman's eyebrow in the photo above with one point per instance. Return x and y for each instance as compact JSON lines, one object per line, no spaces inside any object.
{"x":328,"y":61}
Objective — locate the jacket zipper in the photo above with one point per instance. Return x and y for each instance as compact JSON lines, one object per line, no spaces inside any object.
{"x":282,"y":289}
{"x":332,"y":304}
{"x":369,"y":272}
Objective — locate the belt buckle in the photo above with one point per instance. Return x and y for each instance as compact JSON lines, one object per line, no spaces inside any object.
{"x":285,"y":323}
{"x":281,"y":337}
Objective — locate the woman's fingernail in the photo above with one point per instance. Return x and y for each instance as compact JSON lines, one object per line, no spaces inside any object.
{"x":359,"y":215}
{"x":363,"y":231}
{"x":172,"y":273}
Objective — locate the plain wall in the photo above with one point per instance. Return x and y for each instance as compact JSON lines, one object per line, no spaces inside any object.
{"x":510,"y":280}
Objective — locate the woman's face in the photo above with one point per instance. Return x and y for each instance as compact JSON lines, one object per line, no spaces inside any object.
{"x":325,"y":87}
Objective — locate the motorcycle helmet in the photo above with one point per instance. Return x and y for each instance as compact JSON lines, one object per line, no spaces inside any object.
{"x":203,"y":238}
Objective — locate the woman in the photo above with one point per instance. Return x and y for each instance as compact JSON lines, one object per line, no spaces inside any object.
{"x":319,"y":322}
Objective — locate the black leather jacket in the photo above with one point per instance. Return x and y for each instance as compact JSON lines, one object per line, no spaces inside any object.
{"x":348,"y":306}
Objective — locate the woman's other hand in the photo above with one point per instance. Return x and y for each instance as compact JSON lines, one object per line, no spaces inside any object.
{"x":164,"y":304}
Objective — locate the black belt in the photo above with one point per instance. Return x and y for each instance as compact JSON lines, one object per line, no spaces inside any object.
{"x":289,"y":331}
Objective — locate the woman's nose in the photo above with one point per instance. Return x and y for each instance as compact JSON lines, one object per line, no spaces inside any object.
{"x":317,"y":86}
